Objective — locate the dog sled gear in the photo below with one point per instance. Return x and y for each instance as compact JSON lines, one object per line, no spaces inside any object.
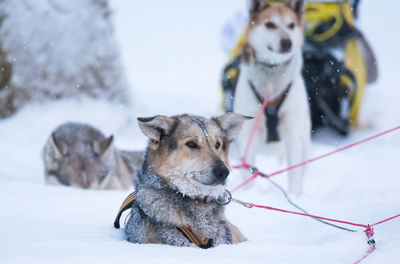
{"x":188,"y":233}
{"x":127,"y":204}
{"x":185,"y":231}
{"x":271,"y":112}
{"x":230,"y":77}
{"x":338,"y":64}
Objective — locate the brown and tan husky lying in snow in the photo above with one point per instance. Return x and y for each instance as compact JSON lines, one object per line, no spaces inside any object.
{"x":181,"y":182}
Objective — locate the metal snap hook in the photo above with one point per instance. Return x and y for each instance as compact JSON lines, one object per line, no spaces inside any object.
{"x":222,"y":202}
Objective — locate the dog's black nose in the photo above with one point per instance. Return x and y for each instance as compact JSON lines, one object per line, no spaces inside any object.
{"x":220,"y":171}
{"x":286,"y":45}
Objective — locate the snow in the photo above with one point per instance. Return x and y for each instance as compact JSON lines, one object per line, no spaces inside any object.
{"x":172,"y":56}
{"x":60,"y":50}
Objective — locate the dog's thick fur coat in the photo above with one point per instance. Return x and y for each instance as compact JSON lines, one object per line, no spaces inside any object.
{"x":79,"y":155}
{"x":182,"y":179}
{"x":271,"y":63}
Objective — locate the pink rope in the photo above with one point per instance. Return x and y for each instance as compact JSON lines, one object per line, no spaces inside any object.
{"x":246,"y":166}
{"x":369,"y":251}
{"x":246,"y":181}
{"x":253,"y":130}
{"x":369,"y":231}
{"x":383,"y":221}
{"x":368,"y":228}
{"x":309,"y":215}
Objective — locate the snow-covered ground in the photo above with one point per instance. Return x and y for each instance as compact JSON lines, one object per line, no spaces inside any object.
{"x":172,"y":57}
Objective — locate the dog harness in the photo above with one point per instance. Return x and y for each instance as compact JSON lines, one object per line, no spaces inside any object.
{"x":271,"y":112}
{"x":185,"y":231}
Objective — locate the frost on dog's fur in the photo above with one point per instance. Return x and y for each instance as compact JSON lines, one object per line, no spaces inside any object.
{"x":182,"y":176}
{"x":190,"y":169}
{"x":189,"y":184}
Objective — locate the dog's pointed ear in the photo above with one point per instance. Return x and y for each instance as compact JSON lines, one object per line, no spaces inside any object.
{"x":60,"y":149}
{"x":256,"y":6}
{"x":156,"y":127}
{"x":231,"y":123}
{"x":298,"y":6}
{"x":101,"y":147}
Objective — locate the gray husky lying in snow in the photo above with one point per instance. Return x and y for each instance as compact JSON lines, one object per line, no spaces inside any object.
{"x":80,"y":155}
{"x":180,"y":185}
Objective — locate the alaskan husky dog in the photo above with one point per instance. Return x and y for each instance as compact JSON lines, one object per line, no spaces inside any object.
{"x":79,"y":155}
{"x":181,"y":182}
{"x":271,"y":64}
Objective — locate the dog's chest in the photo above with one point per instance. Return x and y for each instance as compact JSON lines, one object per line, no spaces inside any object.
{"x":206,"y":218}
{"x":207,"y":210}
{"x":268,"y":80}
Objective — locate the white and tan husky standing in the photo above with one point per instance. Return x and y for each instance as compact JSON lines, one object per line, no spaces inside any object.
{"x":271,"y":64}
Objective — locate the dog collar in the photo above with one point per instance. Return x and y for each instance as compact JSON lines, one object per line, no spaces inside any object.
{"x":185,"y":231}
{"x":271,"y":111}
{"x":270,"y":65}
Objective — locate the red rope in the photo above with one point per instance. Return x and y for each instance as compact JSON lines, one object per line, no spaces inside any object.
{"x":383,"y":221}
{"x":368,"y":228}
{"x":247,"y":166}
{"x":253,"y":130}
{"x":369,"y":251}
{"x":251,"y":205}
{"x":246,"y":182}
{"x":244,"y":165}
{"x":369,"y":231}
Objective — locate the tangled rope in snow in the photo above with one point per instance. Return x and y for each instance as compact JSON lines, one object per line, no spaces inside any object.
{"x":245,"y":165}
{"x":369,"y":231}
{"x":255,"y":173}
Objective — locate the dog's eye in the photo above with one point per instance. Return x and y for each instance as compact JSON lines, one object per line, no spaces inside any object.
{"x":192,"y":145}
{"x":217,"y":145}
{"x":270,"y":25}
{"x":291,"y":26}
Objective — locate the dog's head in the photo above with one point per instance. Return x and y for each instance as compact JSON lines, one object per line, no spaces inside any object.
{"x":275,"y":30}
{"x":79,"y":155}
{"x":191,"y":152}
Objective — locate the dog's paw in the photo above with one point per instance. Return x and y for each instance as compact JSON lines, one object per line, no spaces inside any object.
{"x":295,"y":190}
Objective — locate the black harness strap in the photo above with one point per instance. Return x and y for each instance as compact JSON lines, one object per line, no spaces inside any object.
{"x":271,"y":112}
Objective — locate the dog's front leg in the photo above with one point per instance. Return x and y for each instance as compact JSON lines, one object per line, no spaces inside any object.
{"x":296,"y":152}
{"x":237,"y":236}
{"x":171,"y":236}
